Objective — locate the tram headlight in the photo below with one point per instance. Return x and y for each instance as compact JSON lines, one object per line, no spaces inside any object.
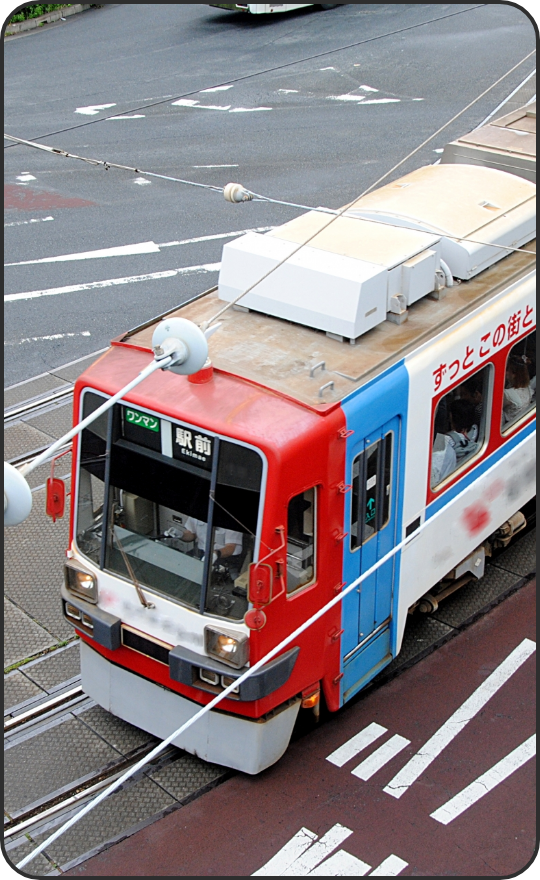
{"x":80,"y":582}
{"x":228,"y":647}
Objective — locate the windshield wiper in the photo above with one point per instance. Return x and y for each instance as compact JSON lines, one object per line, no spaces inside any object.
{"x":142,"y":598}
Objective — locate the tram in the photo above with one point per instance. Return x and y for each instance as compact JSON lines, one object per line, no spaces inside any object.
{"x":264,"y":8}
{"x":379,"y":385}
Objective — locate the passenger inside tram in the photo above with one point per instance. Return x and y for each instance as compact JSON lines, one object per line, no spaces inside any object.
{"x":517,"y":392}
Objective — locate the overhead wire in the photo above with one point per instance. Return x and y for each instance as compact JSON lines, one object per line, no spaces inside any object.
{"x":258,"y":197}
{"x":172,"y":98}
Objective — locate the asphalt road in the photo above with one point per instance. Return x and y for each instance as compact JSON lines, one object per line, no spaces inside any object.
{"x":278,"y":122}
{"x":431,"y":776}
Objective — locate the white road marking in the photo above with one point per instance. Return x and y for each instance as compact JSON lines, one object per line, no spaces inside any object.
{"x":213,"y":237}
{"x":461,"y":717}
{"x":486,"y":782}
{"x":391,"y":867}
{"x":188,"y":102}
{"x":317,"y":852}
{"x":212,"y":107}
{"x":48,"y":338}
{"x":26,"y":222}
{"x":113,"y":282}
{"x":341,"y":864}
{"x":304,"y":856}
{"x":356,"y":98}
{"x":327,"y":68}
{"x":380,"y":757}
{"x":127,"y":250}
{"x":142,"y":181}
{"x":288,"y":91}
{"x":216,"y":89}
{"x":382,"y":101}
{"x":440,"y":150}
{"x":368,"y":88}
{"x":288,"y":854}
{"x":25,"y":177}
{"x":356,"y":744}
{"x":93,"y":109}
{"x":133,"y":116}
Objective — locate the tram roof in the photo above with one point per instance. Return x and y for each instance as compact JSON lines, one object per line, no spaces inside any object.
{"x":281,"y":355}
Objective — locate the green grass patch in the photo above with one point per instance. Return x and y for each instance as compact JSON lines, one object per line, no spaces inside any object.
{"x":39,"y":654}
{"x":36,"y":10}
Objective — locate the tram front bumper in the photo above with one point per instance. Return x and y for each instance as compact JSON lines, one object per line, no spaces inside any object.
{"x":219,"y":737}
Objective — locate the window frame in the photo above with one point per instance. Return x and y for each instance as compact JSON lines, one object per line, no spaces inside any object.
{"x":388,"y":449}
{"x":147,"y":452}
{"x":487,"y":417}
{"x":294,"y":592}
{"x":507,"y":430}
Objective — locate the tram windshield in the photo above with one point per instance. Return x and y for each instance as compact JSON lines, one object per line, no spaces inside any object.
{"x":169,"y":507}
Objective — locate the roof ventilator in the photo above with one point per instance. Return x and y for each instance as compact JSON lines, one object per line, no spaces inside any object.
{"x":398,"y":244}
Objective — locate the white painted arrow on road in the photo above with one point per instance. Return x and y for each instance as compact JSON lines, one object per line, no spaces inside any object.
{"x":129,"y":250}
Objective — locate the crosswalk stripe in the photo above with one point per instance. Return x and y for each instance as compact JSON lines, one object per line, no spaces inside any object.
{"x":356,"y":744}
{"x":459,"y":720}
{"x":380,"y":757}
{"x":391,"y":867}
{"x":486,"y":782}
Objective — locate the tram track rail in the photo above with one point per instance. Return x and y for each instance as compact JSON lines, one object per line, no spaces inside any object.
{"x":29,"y":818}
{"x":33,"y":406}
{"x":45,"y":708}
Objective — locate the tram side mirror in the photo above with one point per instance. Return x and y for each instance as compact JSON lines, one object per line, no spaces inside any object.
{"x":260,"y":583}
{"x":56,"y":498}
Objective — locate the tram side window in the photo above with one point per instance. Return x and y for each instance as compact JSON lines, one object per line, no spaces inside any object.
{"x":371,"y":489}
{"x":301,"y":536}
{"x":93,"y":444}
{"x":460,"y":424}
{"x":519,"y":395}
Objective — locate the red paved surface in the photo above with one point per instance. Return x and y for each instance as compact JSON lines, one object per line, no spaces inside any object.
{"x":24,"y":198}
{"x":236,"y":828}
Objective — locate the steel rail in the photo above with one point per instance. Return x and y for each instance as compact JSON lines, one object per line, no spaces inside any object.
{"x":57,"y":803}
{"x":36,"y":712}
{"x":28,"y":406}
{"x":29,"y":456}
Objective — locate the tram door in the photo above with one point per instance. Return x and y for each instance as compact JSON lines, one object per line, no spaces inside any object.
{"x":373,"y":463}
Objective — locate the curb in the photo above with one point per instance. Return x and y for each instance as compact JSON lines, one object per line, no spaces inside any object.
{"x":32,"y":23}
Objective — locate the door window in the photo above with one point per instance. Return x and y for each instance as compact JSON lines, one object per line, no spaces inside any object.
{"x":371,"y":490}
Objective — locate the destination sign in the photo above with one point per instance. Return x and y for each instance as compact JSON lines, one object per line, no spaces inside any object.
{"x":192,"y":445}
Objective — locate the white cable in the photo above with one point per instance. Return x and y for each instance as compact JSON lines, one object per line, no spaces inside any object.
{"x":256,"y":666}
{"x":511,"y":95}
{"x":256,"y":197}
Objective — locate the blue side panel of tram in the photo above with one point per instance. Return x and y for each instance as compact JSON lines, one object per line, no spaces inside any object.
{"x":377,"y":411}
